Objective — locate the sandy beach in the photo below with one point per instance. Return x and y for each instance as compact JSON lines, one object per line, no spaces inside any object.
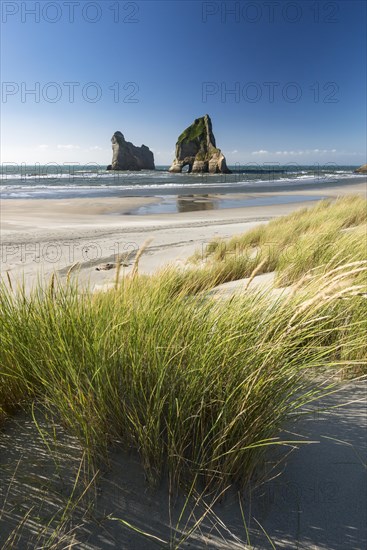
{"x":315,"y":497}
{"x":43,"y":236}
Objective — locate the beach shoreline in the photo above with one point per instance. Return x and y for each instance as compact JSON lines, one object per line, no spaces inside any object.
{"x":45,"y":236}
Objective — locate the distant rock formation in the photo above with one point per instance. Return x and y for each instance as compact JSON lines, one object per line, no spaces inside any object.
{"x":196,"y":149}
{"x":361,"y":170}
{"x":127,"y":156}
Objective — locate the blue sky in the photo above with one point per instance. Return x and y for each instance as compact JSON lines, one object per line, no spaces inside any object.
{"x":282,"y":81}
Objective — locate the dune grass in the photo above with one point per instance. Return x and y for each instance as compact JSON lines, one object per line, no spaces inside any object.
{"x":322,"y":237}
{"x":198,"y":387}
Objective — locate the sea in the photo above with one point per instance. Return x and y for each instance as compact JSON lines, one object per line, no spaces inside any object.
{"x":55,"y":181}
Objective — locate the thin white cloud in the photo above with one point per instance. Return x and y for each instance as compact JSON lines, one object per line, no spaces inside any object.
{"x":234,"y":152}
{"x":69,"y":146}
{"x":261,"y":152}
{"x":94,"y":148}
{"x":305,"y":152}
{"x":43,"y":146}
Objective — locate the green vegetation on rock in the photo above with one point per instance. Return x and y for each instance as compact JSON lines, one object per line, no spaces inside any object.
{"x":194,"y":131}
{"x":196,"y":148}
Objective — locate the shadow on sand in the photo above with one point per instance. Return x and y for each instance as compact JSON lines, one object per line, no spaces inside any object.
{"x":317,"y":501}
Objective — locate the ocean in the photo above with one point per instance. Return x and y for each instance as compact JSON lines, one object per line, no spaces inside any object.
{"x":77,"y":181}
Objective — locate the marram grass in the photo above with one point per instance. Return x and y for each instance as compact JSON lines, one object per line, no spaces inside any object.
{"x":327,"y":235}
{"x":199,"y":387}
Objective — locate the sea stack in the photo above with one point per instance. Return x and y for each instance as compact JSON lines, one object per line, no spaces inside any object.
{"x":361,"y":170}
{"x":127,"y":156}
{"x":196,"y":149}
